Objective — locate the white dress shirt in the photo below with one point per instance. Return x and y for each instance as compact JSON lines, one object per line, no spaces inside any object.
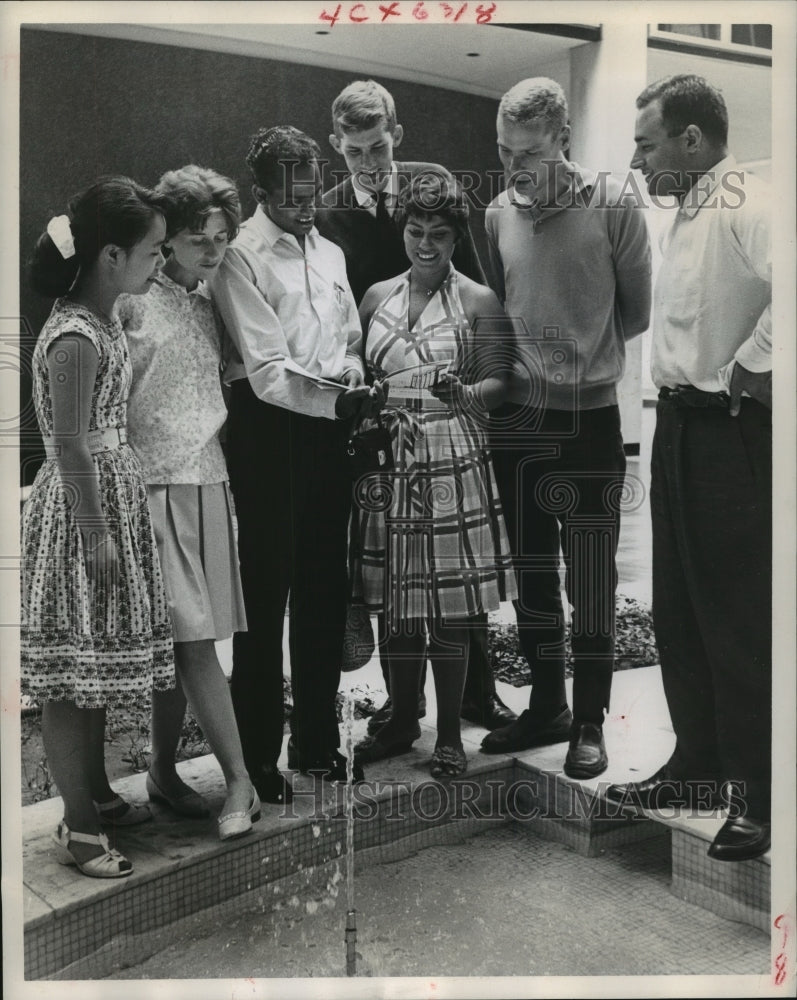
{"x":281,"y":304}
{"x":367,"y":199}
{"x":712,"y":304}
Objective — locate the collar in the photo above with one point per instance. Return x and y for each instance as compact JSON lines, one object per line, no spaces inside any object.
{"x":169,"y":283}
{"x":699,"y":192}
{"x":571,"y":181}
{"x":271,"y":233}
{"x":367,"y":200}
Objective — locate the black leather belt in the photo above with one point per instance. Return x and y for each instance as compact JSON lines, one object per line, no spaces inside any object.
{"x":687,"y":395}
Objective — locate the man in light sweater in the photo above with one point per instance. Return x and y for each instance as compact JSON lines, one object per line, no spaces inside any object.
{"x":571,"y":261}
{"x":711,"y":468}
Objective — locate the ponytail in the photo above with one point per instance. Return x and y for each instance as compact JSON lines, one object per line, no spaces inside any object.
{"x":113,"y":210}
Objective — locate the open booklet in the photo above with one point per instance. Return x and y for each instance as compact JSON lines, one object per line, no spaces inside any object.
{"x":416,"y":381}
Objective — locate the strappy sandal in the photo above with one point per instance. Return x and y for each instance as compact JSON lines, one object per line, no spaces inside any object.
{"x":118,"y":812}
{"x":111,"y":864}
{"x":448,"y":762}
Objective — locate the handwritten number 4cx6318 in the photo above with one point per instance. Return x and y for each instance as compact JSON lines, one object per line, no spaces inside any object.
{"x":358,"y":13}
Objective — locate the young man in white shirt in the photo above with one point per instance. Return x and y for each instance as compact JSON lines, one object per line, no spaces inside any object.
{"x":291,"y":319}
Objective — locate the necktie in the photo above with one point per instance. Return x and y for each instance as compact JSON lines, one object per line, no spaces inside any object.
{"x":382,"y":214}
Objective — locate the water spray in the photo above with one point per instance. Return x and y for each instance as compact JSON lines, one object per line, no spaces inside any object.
{"x":351,"y":913}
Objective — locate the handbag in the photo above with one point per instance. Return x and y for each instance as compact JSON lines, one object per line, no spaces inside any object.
{"x":370,"y":451}
{"x":358,"y":640}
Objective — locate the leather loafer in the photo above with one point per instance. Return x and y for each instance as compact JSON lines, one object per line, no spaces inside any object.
{"x":272,"y":786}
{"x":661,"y":791}
{"x":529,"y":731}
{"x":381,"y":715}
{"x":493,"y":714}
{"x":332,"y":768}
{"x":740,"y":839}
{"x":586,"y":756}
{"x":373,"y":748}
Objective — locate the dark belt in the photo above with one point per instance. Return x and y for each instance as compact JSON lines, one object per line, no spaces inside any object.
{"x":687,"y":395}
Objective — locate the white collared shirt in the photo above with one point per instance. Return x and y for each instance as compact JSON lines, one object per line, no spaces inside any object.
{"x":367,"y":199}
{"x":280,"y":303}
{"x":712,"y":303}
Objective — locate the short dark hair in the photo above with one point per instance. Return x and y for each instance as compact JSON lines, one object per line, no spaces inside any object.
{"x":434,"y":192}
{"x":271,"y":150}
{"x":687,"y":99}
{"x":190,"y":194}
{"x":113,"y":210}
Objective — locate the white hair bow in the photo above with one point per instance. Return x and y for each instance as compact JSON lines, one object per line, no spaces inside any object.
{"x":60,"y":232}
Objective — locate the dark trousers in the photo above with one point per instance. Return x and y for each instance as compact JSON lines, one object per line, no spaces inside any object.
{"x":560,"y":484}
{"x":292,"y":493}
{"x":711,"y":503}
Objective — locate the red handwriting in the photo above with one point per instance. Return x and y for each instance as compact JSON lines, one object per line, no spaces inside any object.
{"x":781,"y":923}
{"x":417,"y":10}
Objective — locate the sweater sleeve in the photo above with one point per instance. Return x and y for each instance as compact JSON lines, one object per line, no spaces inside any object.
{"x":496,"y":276}
{"x":632,"y":267}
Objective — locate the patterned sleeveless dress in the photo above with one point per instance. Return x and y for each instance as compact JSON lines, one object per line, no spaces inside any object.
{"x":428,"y":539}
{"x":80,"y":643}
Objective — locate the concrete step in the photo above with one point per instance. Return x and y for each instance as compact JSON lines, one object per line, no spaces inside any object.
{"x":181,"y":867}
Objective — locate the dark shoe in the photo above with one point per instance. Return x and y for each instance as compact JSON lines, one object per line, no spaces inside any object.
{"x":448,"y":762}
{"x":381,"y":715}
{"x":332,"y":768}
{"x":656,"y":792}
{"x":529,"y":731}
{"x":187,"y":803}
{"x":272,"y":786}
{"x":661,"y":791}
{"x":493,"y":714}
{"x":372,"y":748}
{"x":586,"y":756}
{"x":741,"y":839}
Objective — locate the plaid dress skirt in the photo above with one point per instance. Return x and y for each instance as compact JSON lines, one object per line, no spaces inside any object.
{"x":428,"y":538}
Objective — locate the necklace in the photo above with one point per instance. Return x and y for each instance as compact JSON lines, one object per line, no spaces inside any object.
{"x":420,"y":285}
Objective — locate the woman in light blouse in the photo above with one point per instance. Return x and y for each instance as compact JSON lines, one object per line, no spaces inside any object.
{"x":175,"y":413}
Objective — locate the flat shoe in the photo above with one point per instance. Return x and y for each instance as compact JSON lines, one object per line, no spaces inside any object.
{"x":236,"y":824}
{"x":190,"y":803}
{"x":111,"y":864}
{"x":118,"y":812}
{"x":448,"y":762}
{"x":741,"y":839}
{"x":373,"y":748}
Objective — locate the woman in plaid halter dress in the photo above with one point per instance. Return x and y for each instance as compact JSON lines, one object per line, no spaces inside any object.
{"x":430,"y":548}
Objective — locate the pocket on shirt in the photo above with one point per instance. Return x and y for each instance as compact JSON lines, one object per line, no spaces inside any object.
{"x":683,"y":305}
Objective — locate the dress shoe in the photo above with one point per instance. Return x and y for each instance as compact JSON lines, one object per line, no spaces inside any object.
{"x":236,"y":824}
{"x":661,"y":791}
{"x":381,"y":715}
{"x":586,"y":755}
{"x":375,"y":747}
{"x":272,"y":786}
{"x":740,"y":839}
{"x":529,"y":731}
{"x":188,"y":803}
{"x":118,"y":812}
{"x":332,"y":767}
{"x":492,"y":714}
